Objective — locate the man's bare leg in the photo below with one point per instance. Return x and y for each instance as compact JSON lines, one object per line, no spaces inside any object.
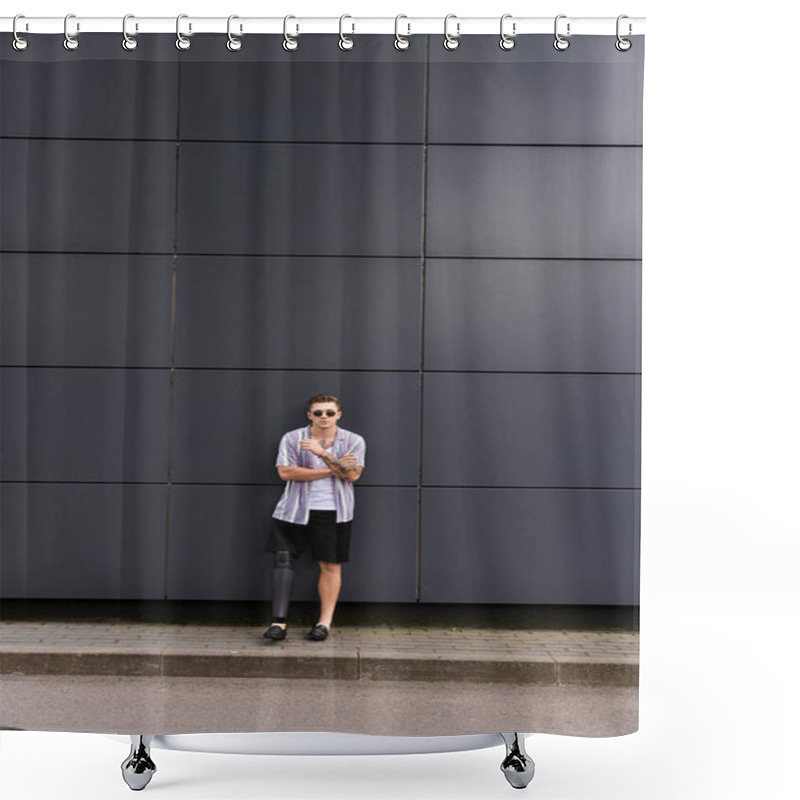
{"x":330,"y":582}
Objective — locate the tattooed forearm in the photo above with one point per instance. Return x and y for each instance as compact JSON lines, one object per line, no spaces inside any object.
{"x":338,"y":467}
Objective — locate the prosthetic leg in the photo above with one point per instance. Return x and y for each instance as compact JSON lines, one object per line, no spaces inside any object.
{"x":282,"y":581}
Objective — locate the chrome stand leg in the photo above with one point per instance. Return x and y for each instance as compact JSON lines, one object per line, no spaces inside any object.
{"x":518,"y":766}
{"x":138,"y":768}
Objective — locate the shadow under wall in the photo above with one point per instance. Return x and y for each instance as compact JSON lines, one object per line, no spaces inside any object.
{"x":468,"y":615}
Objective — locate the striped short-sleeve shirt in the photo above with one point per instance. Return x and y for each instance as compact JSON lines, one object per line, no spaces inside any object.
{"x":294,"y":503}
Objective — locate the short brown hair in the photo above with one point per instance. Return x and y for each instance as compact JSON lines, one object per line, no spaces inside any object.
{"x":324,"y":398}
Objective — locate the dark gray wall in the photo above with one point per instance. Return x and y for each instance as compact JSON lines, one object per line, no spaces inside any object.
{"x":194,"y":243}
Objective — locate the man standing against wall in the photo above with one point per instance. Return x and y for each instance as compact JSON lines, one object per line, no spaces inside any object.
{"x":320,"y":463}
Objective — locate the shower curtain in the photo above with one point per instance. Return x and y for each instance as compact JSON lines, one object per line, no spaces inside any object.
{"x":194,"y":244}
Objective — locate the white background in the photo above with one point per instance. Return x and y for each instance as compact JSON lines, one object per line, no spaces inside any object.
{"x":719,"y":698}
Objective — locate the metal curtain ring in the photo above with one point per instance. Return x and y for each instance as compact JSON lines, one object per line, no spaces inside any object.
{"x":182,"y":43}
{"x":506,"y":42}
{"x":451,"y":42}
{"x":128,"y":42}
{"x":234,"y":44}
{"x":19,"y":43}
{"x":345,"y":42}
{"x":561,"y":43}
{"x":400,"y":42}
{"x":70,"y":42}
{"x":288,"y":42}
{"x":623,"y":45}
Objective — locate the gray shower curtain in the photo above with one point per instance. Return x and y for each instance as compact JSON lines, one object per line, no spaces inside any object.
{"x":196,"y":242}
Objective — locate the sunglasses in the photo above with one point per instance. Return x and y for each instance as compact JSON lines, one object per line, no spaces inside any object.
{"x":328,"y":413}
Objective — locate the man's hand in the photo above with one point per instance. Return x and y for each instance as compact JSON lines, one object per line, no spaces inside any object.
{"x":310,"y":444}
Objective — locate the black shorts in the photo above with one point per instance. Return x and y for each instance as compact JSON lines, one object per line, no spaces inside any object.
{"x":330,"y":540}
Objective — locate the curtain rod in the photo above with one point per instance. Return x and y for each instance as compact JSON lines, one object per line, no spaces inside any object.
{"x":404,"y":26}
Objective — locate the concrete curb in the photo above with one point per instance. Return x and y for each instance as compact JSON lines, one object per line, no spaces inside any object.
{"x":324,"y":662}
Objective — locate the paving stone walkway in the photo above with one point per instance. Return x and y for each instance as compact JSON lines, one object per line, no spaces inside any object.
{"x":545,"y":657}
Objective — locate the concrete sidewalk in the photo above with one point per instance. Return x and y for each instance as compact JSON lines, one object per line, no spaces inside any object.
{"x":351,"y":653}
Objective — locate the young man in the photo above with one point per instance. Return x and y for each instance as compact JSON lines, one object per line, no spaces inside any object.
{"x":320,"y":463}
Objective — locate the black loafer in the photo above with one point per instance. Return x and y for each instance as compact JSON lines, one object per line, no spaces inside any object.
{"x":275,"y":632}
{"x":318,"y":633}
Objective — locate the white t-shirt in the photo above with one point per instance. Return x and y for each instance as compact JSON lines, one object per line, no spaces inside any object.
{"x":321,"y":497}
